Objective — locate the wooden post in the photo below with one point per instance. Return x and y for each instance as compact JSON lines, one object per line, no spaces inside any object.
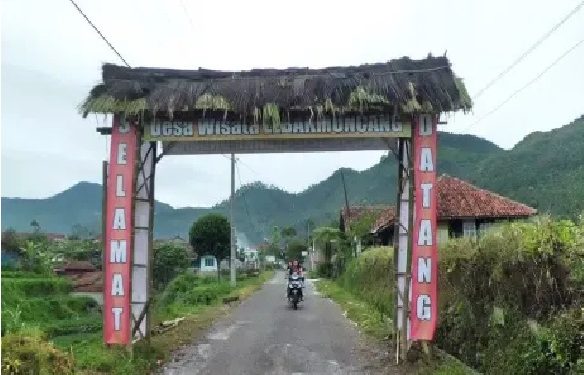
{"x":404,"y":246}
{"x":396,"y":231}
{"x":232,"y":276}
{"x":151,"y":240}
{"x":411,"y":198}
{"x":104,"y":166}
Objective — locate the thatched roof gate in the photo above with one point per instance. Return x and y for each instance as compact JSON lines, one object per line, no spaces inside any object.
{"x":403,"y":85}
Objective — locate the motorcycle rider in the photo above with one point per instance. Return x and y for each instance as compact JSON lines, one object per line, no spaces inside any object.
{"x":294,"y":266}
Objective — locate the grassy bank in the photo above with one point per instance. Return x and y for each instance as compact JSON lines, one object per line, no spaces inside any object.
{"x":198,"y":300}
{"x":378,"y":326}
{"x":30,"y":300}
{"x":510,"y":301}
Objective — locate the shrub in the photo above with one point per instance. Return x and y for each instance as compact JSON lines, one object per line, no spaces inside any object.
{"x":533,"y":349}
{"x":179,"y":286}
{"x":370,"y":277}
{"x":169,"y":260}
{"x":191,"y":289}
{"x":325,"y":270}
{"x":86,"y":324}
{"x":21,"y":275}
{"x":16,"y":288}
{"x":48,"y":312}
{"x":27,"y":352}
{"x":495,"y":290}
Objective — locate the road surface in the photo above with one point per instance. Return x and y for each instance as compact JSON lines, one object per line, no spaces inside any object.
{"x":263,"y":335}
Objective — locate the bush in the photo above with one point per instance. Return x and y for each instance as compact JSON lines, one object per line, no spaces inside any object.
{"x":532,"y":349}
{"x":21,"y":275}
{"x":59,"y":307}
{"x":169,"y":260}
{"x":189,"y":289}
{"x":325,"y":270}
{"x":27,"y":352}
{"x":87,"y":324}
{"x":18,"y":309}
{"x":370,"y":277}
{"x":17,"y":288}
{"x":495,"y":290}
{"x":179,"y":286}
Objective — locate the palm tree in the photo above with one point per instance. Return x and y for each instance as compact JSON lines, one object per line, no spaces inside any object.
{"x":325,"y":236}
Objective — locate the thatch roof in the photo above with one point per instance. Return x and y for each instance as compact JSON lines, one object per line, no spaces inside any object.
{"x":427,"y":85}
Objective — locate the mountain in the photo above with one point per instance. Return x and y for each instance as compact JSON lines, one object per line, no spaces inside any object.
{"x":544,"y":170}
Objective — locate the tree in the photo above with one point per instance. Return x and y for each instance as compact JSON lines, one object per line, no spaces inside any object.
{"x":288,"y":232}
{"x":37,"y":235}
{"x":295,"y":249}
{"x":10,"y":240}
{"x":36,"y":227}
{"x":80,"y":232}
{"x":274,"y":247}
{"x":360,"y":229}
{"x":169,"y":261}
{"x":37,"y":257}
{"x":325,"y":236}
{"x":210,"y":235}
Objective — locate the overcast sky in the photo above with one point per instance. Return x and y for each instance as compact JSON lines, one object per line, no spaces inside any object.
{"x":51,"y":58}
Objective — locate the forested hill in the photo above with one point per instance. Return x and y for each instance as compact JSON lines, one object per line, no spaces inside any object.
{"x":545,"y":170}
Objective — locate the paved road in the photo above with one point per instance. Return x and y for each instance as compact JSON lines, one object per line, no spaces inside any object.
{"x":264,"y":335}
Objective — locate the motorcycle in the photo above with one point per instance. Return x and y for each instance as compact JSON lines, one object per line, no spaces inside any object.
{"x":295,"y":290}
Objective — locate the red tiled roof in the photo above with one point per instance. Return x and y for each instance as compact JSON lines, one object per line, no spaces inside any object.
{"x":356,"y":212}
{"x":87,"y":281}
{"x":385,"y":219}
{"x":459,"y":199}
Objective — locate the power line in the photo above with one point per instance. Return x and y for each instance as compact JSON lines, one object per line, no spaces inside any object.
{"x":248,"y":167}
{"x":528,"y":51}
{"x":187,"y":14}
{"x":99,"y":32}
{"x":526,"y":85}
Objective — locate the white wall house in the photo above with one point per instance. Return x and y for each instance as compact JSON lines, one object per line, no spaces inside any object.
{"x":251,"y":255}
{"x":208,"y":263}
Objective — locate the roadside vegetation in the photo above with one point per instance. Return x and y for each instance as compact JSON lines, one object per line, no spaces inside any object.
{"x":510,"y":301}
{"x":46,"y":330}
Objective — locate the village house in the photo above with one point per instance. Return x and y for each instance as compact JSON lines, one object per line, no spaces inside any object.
{"x":207,"y":263}
{"x":77,"y":267}
{"x":463,"y":210}
{"x":89,"y":284}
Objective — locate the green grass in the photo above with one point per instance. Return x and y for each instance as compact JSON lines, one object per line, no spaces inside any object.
{"x":14,"y":289}
{"x":369,"y":277}
{"x":446,"y":366}
{"x":182,"y":300}
{"x":43,"y":302}
{"x":22,"y":274}
{"x":73,"y":325}
{"x":367,"y":318}
{"x":375,"y":324}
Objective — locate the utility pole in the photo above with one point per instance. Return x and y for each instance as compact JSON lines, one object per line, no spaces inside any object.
{"x":348,"y":213}
{"x":346,"y":201}
{"x":232,"y":239}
